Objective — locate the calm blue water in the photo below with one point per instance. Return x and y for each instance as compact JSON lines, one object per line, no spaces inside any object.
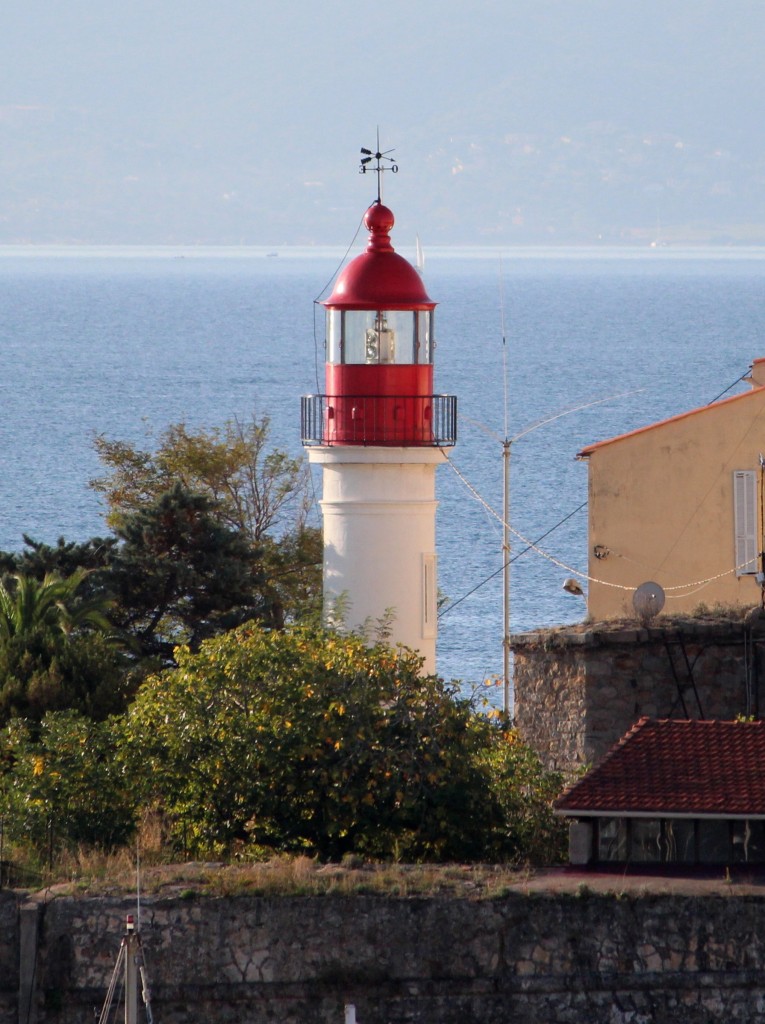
{"x":110,"y":341}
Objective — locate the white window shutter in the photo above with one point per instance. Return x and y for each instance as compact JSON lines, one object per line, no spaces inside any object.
{"x":745,"y":521}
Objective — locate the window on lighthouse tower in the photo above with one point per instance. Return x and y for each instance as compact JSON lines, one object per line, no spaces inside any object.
{"x":380,"y":336}
{"x":381,"y":341}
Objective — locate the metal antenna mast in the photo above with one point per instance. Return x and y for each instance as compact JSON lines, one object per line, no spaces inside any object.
{"x":507,"y":445}
{"x":380,"y":167}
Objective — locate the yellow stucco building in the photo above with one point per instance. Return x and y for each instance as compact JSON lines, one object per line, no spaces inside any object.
{"x":680,"y":503}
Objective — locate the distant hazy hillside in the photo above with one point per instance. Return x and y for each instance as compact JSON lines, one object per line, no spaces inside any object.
{"x":531,"y":121}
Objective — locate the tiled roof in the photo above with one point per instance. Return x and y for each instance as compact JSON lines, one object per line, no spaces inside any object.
{"x":700,"y":410}
{"x":677,"y":768}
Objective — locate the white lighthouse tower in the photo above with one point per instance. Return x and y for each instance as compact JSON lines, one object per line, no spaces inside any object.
{"x":378,"y":434}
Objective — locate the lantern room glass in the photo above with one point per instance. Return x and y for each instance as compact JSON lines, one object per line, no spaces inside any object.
{"x":380,"y":337}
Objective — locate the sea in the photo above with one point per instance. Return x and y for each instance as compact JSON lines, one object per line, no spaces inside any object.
{"x":549,"y":349}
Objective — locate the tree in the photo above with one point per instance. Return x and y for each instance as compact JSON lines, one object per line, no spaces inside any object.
{"x":259,"y":492}
{"x":253,"y":488}
{"x":61,"y":784}
{"x":180,"y":576}
{"x":48,"y":604}
{"x":65,"y":558}
{"x":291,"y":567}
{"x":57,"y":650}
{"x":307,"y":740}
{"x":527,"y":829}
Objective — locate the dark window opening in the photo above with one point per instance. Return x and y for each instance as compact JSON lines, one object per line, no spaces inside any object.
{"x":679,"y":841}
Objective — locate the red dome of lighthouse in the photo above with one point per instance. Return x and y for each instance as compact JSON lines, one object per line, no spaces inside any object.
{"x":379,"y":278}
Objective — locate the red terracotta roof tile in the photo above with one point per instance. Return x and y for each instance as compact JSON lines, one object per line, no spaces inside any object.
{"x":675,"y":768}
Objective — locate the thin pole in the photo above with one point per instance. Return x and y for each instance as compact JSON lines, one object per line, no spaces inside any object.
{"x":506,"y":446}
{"x":131,"y":975}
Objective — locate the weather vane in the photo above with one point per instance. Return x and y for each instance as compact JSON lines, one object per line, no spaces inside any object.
{"x":380,"y":157}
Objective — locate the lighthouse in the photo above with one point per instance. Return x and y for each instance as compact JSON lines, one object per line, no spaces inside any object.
{"x":379,"y":432}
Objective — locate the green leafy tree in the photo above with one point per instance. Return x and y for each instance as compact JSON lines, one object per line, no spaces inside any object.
{"x":303,"y":740}
{"x":61,"y":784}
{"x":527,"y":829}
{"x":260,"y":492}
{"x":254,"y":487}
{"x":291,"y":568}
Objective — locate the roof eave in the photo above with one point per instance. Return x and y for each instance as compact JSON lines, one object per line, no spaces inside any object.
{"x":590,"y":449}
{"x":616,"y":812}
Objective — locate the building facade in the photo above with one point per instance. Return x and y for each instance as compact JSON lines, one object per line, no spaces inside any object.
{"x":680,"y":503}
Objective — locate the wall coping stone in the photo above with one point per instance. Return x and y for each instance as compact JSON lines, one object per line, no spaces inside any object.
{"x":620,"y":633}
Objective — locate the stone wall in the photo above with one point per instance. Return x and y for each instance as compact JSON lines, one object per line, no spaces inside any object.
{"x":553,"y":959}
{"x":578,"y":691}
{"x":10,"y":954}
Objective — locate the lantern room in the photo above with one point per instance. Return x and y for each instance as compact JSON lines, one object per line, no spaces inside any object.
{"x":379,"y":337}
{"x":379,"y":352}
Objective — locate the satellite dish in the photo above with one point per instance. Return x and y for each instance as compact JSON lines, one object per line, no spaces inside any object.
{"x":648,"y":600}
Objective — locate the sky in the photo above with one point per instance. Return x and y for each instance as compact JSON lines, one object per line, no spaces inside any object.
{"x":513,"y":122}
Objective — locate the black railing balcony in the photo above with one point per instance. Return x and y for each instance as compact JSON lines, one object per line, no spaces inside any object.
{"x":396,"y":420}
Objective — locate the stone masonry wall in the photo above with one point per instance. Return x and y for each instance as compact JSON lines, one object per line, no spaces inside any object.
{"x":9,"y":959}
{"x":553,"y":959}
{"x":578,"y":692}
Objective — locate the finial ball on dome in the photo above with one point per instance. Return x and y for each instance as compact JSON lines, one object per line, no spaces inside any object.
{"x":379,"y":218}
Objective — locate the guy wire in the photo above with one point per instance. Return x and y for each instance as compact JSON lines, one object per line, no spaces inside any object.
{"x":510,"y":561}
